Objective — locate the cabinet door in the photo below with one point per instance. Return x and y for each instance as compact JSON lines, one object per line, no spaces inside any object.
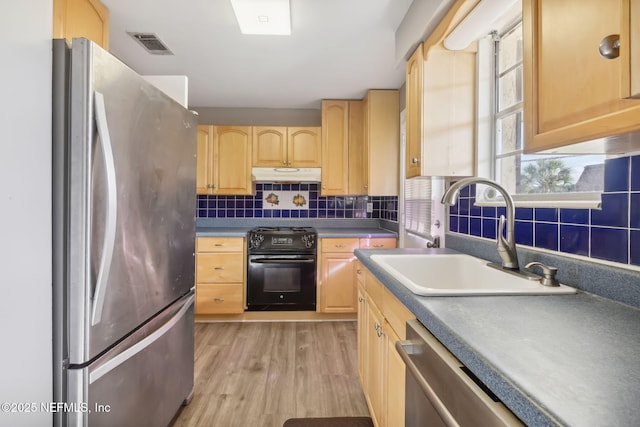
{"x":232,"y":160}
{"x":572,"y":93}
{"x":362,"y":324}
{"x":394,"y":394}
{"x":375,"y":362}
{"x":81,"y":18}
{"x":382,"y":142}
{"x":358,"y":156}
{"x":413,"y":153}
{"x":448,"y":120}
{"x":304,"y":147}
{"x":338,"y":283}
{"x":269,"y":147}
{"x":335,"y":147}
{"x":204,"y":172}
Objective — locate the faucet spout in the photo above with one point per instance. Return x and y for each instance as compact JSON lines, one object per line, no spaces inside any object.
{"x":506,"y":246}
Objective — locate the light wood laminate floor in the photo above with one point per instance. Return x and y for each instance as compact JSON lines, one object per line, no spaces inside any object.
{"x":261,"y":374}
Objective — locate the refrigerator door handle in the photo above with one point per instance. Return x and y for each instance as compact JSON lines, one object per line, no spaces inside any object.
{"x":112,"y":208}
{"x":142,"y":344}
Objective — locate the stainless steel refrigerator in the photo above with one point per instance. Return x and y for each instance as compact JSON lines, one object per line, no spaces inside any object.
{"x":124,"y":235}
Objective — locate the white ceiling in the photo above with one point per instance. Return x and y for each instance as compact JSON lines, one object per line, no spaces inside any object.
{"x":338,"y":49}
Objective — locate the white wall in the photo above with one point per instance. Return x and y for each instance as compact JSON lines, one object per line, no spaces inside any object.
{"x":25,"y":208}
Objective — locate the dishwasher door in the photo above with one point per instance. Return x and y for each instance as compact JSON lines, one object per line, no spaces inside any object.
{"x":441,"y":391}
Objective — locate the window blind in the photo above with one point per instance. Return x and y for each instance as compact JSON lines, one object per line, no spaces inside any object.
{"x":418,"y":206}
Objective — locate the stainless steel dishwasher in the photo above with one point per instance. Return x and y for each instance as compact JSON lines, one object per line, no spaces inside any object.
{"x":441,"y":391}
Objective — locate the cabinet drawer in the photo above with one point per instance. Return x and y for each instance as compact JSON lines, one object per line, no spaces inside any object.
{"x":340,"y":245}
{"x":219,"y":298}
{"x":374,"y":288}
{"x":378,"y":243}
{"x":219,"y":267}
{"x":396,"y":313}
{"x":219,"y":244}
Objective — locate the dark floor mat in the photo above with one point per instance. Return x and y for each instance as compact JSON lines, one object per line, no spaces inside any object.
{"x":329,"y":422}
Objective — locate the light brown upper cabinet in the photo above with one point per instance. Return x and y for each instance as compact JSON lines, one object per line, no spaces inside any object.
{"x":204,"y":160}
{"x":413,"y":151}
{"x":341,"y":123}
{"x":361,"y":145}
{"x":232,"y":160}
{"x":572,"y":92}
{"x":279,"y":146}
{"x":381,"y":153}
{"x":440,"y":104}
{"x":224,"y":160}
{"x":81,"y":18}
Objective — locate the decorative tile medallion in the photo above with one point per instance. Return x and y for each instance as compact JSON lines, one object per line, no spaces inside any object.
{"x":277,"y":199}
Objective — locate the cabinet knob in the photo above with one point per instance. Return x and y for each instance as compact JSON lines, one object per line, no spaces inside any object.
{"x":414,"y":161}
{"x":610,"y":46}
{"x":339,"y":246}
{"x":284,"y":162}
{"x":218,"y":299}
{"x":360,"y":299}
{"x":378,"y":246}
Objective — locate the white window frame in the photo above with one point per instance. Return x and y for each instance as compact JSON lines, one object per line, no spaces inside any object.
{"x":485,"y":131}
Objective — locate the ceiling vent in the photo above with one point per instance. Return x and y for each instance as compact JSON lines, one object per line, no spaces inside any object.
{"x":151,"y":43}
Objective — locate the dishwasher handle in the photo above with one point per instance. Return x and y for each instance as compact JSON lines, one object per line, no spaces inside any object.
{"x":440,"y":408}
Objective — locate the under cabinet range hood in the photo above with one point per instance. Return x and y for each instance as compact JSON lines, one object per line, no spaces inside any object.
{"x":285,"y":174}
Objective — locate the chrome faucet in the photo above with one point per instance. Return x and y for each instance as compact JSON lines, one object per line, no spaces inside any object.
{"x":506,"y":247}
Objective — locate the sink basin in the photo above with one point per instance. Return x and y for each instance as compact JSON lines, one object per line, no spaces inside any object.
{"x":459,"y":275}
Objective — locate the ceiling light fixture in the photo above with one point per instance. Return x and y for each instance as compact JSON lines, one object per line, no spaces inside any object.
{"x":269,"y":17}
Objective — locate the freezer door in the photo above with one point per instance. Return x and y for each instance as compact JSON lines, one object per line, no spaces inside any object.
{"x":131,"y":211}
{"x":142,"y":381}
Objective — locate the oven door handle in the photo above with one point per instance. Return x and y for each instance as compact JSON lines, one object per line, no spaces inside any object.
{"x":282,"y":261}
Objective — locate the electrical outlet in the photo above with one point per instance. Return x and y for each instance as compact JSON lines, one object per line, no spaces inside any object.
{"x":369,"y":207}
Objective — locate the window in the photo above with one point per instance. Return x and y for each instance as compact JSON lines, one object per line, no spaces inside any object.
{"x":532,"y":179}
{"x":417,"y":206}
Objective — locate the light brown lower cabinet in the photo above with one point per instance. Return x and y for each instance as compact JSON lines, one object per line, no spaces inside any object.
{"x":381,"y":323}
{"x":220,"y":275}
{"x":337,"y":284}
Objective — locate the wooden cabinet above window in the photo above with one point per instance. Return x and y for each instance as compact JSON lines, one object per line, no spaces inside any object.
{"x":572,"y":92}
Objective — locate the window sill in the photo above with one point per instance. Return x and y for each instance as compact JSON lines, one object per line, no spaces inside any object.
{"x":566,"y":200}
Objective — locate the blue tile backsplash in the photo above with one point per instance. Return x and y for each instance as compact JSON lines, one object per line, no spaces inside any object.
{"x":611,"y":233}
{"x":384,"y":207}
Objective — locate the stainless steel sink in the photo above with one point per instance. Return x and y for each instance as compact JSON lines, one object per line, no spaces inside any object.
{"x":459,"y":275}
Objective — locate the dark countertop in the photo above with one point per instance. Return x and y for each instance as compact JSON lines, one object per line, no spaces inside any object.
{"x":362,"y":232}
{"x":553,"y":360}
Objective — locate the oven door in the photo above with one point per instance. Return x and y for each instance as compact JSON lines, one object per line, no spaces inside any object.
{"x":281,"y":282}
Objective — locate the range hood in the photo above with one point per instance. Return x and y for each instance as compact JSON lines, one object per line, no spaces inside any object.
{"x":285,"y":174}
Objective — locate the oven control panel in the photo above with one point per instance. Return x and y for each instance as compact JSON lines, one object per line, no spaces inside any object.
{"x":282,"y":241}
{"x":289,"y":242}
